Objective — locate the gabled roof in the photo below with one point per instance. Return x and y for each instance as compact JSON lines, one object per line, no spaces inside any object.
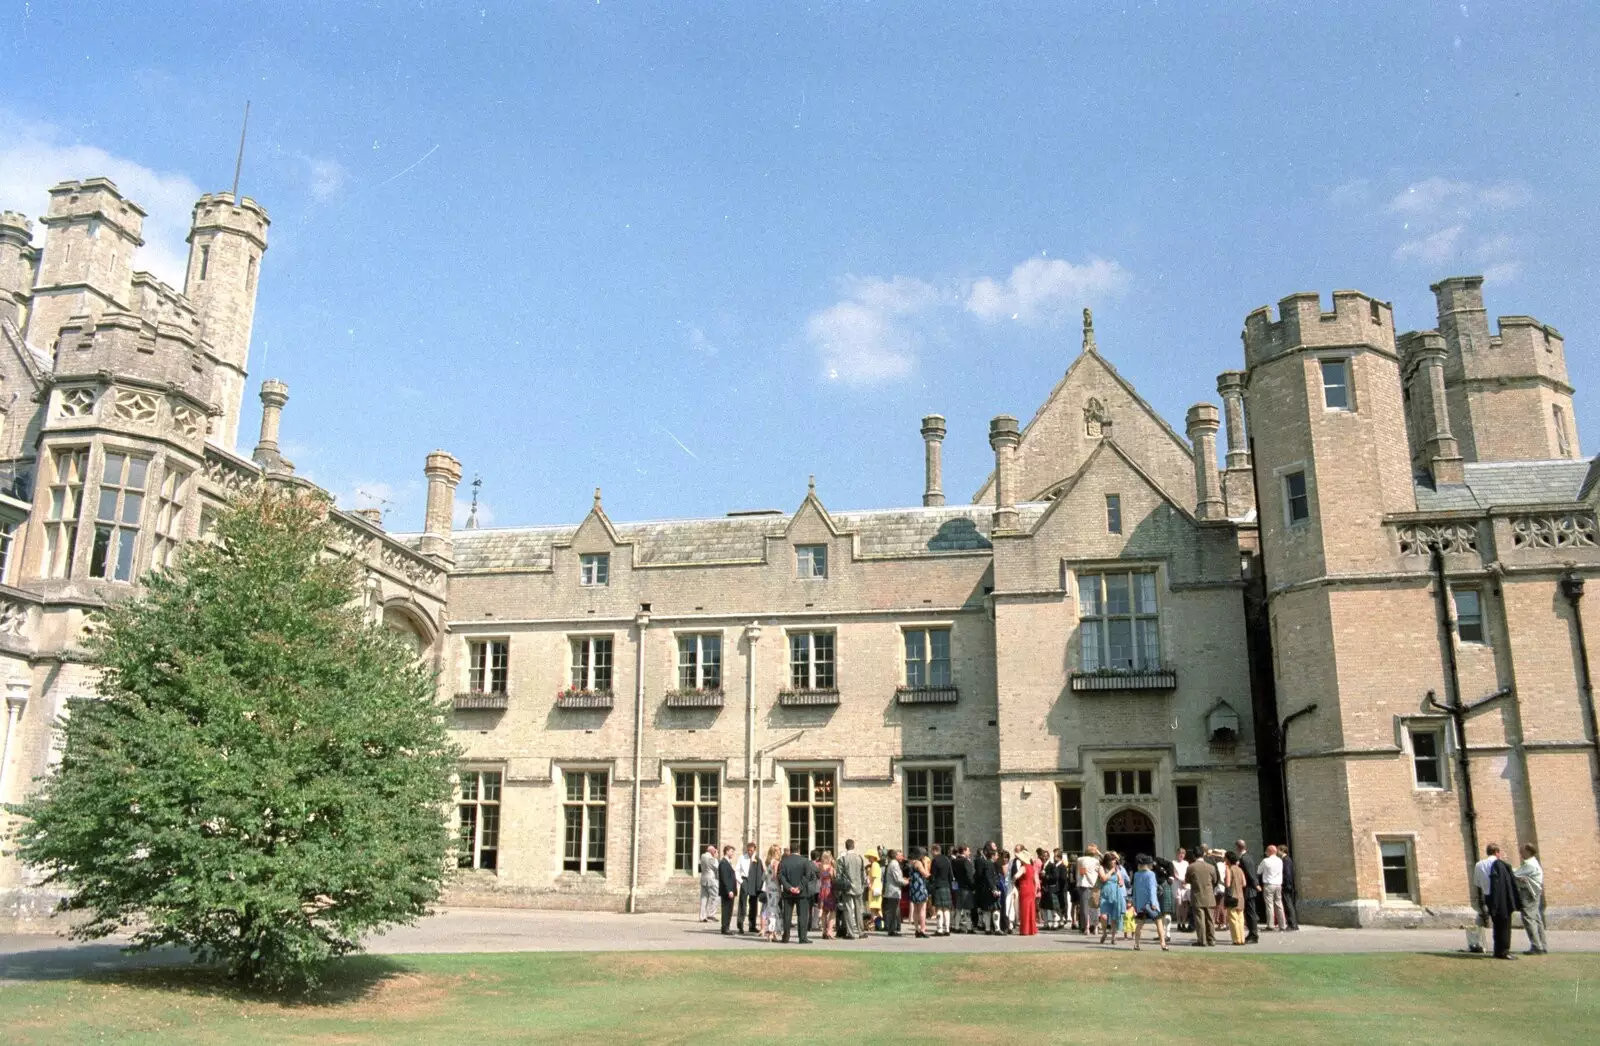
{"x":1107,"y":446}
{"x":34,"y":364}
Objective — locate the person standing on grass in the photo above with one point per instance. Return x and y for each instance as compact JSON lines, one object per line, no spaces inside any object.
{"x":1088,"y":877}
{"x":830,"y":899}
{"x":1201,"y":878}
{"x":770,"y":902}
{"x":1530,"y":895}
{"x":1500,"y":899}
{"x":1147,"y":902}
{"x":941,"y":890}
{"x":966,"y":896}
{"x":894,"y":881}
{"x":986,"y":878}
{"x":1289,"y":912}
{"x":1270,"y":872}
{"x":873,"y":898}
{"x":1235,"y":895}
{"x":727,"y":888}
{"x":1027,"y":896}
{"x":849,"y":876}
{"x":794,"y":884}
{"x":752,"y":878}
{"x":708,"y":882}
{"x":815,"y":889}
{"x":1113,"y":900}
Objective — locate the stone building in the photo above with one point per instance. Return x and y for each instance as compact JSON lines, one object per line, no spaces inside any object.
{"x":1358,"y":631}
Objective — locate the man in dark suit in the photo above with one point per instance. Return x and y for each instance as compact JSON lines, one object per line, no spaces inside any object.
{"x":1288,"y":889}
{"x":987,"y":890}
{"x":794,"y":880}
{"x":1252,"y":894}
{"x":967,"y":914}
{"x":941,"y":884}
{"x":755,"y":877}
{"x":727,"y":888}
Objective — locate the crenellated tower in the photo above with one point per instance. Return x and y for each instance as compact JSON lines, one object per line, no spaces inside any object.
{"x":17,"y":266}
{"x":227,"y":238}
{"x":86,"y":269}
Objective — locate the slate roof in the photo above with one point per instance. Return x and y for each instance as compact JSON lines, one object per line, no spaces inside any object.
{"x":739,"y":539}
{"x":1497,"y":483}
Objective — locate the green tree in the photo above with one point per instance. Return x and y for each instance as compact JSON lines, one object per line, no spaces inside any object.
{"x":268,"y":775}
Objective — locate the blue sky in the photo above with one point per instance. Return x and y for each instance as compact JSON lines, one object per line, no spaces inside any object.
{"x":692,"y":253}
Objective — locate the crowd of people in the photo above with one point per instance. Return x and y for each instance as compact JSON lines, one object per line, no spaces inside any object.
{"x":936,"y":892}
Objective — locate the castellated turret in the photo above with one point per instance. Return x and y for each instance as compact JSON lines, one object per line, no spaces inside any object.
{"x":1507,"y":393}
{"x":226,"y":241}
{"x":91,"y":232}
{"x":1327,"y":420}
{"x":18,"y":260}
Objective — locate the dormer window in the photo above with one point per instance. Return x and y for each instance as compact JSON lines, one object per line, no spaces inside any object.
{"x":811,"y":560}
{"x":594,"y":569}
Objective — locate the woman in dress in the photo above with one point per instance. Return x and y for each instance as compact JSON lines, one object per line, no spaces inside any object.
{"x":1113,"y":899}
{"x":1044,"y":864}
{"x":1027,"y":896}
{"x":918,"y":892}
{"x":769,"y":896}
{"x":1147,"y":903}
{"x":874,"y":893}
{"x":1233,"y":900}
{"x":830,"y":906}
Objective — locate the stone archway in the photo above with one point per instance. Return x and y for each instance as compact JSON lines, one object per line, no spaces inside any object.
{"x":402,"y":621}
{"x":1131,"y":832}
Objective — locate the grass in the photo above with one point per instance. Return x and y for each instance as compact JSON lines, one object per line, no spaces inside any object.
{"x":789,"y":996}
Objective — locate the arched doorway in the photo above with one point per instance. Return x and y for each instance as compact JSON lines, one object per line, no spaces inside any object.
{"x":1130,"y":833}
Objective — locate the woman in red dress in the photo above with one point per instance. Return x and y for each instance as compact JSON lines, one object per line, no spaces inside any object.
{"x":1027,"y":897}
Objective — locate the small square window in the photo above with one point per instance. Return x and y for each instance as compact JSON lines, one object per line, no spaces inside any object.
{"x":1336,"y":384}
{"x":1469,"y":615}
{"x":1427,"y":756}
{"x":1297,"y":503}
{"x":811,"y":560}
{"x":1396,"y":857}
{"x":595,"y":569}
{"x":1113,"y":513}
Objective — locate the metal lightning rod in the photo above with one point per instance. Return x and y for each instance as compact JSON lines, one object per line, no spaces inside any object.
{"x":239,"y":163}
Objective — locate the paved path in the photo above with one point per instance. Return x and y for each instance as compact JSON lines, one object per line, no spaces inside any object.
{"x":458,"y":930}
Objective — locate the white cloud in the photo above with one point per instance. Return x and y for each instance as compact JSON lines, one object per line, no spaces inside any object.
{"x":1042,"y":289}
{"x":1355,"y":193}
{"x":328,"y":176}
{"x":874,"y":334}
{"x":33,"y":157}
{"x":1433,"y":249}
{"x":699,"y":342}
{"x":1438,"y":197}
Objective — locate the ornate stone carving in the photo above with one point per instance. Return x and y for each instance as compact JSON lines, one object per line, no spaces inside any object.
{"x":1558,"y":530}
{"x":1095,"y":418}
{"x":187,"y":421}
{"x":1418,"y":539}
{"x":229,"y":477}
{"x":414,"y":569}
{"x":13,"y":617}
{"x":138,"y":407}
{"x":78,"y":402}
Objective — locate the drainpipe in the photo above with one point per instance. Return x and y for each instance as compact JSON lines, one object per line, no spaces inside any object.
{"x":1454,"y":709}
{"x":752,"y":778}
{"x":642,"y":622}
{"x":1572,"y":589}
{"x":1283,"y":770}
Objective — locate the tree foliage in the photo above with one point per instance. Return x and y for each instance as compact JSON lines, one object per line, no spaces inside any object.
{"x":268,"y":775}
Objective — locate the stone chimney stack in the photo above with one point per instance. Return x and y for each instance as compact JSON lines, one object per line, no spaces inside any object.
{"x":274,"y":394}
{"x":443,"y":472}
{"x":1239,"y":477}
{"x":933,"y":448}
{"x":1203,"y":425}
{"x":1003,"y":437}
{"x":1440,"y":448}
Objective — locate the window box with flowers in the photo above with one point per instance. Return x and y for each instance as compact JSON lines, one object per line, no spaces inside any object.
{"x":805,"y":698}
{"x":572,"y":697}
{"x":695,"y":698}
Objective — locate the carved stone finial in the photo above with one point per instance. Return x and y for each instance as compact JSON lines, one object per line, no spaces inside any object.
{"x":811,"y":484}
{"x":1088,"y":331}
{"x":596,"y":497}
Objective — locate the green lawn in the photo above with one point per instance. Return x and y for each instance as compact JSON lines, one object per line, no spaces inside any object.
{"x":786,"y":995}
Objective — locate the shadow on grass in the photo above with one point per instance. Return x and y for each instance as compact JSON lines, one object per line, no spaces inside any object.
{"x":173,"y":970}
